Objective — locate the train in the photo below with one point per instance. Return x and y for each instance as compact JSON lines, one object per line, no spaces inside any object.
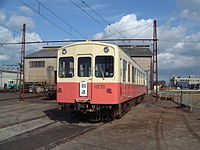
{"x":99,"y":78}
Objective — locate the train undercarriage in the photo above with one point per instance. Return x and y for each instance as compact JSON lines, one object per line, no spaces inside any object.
{"x":100,"y":112}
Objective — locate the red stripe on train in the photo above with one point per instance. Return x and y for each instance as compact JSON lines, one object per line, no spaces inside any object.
{"x":99,"y":93}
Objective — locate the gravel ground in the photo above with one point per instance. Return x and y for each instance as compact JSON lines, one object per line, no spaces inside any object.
{"x":153,"y":125}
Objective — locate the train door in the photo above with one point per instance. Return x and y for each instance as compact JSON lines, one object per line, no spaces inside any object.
{"x":84,"y":75}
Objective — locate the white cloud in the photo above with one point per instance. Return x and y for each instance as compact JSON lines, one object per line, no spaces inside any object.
{"x":4,"y":57}
{"x":10,"y":54}
{"x":26,"y":10}
{"x":190,"y":9}
{"x":98,"y":6}
{"x":17,"y":21}
{"x":2,"y":16}
{"x":129,"y":26}
{"x":188,"y":3}
{"x":175,"y":61}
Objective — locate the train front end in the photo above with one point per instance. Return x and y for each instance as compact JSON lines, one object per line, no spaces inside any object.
{"x":87,"y":76}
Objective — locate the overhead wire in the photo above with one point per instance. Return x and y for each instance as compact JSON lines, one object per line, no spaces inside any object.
{"x":65,"y":22}
{"x":141,"y":31}
{"x":123,"y":31}
{"x":9,"y":38}
{"x":18,"y":32}
{"x":98,"y":22}
{"x":102,"y":18}
{"x":67,"y":41}
{"x":6,"y":36}
{"x":62,"y":29}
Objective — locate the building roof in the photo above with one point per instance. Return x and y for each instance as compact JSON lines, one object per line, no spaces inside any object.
{"x":137,"y":51}
{"x":46,"y":52}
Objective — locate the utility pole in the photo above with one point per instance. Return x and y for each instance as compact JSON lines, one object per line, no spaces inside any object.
{"x":155,"y":61}
{"x":22,"y":63}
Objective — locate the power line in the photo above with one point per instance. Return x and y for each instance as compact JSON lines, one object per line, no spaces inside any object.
{"x":70,"y":41}
{"x":17,"y":32}
{"x":141,"y":31}
{"x":128,"y":29}
{"x":90,"y":16}
{"x":47,"y":19}
{"x":6,"y":36}
{"x":35,"y":32}
{"x":103,"y":40}
{"x":9,"y":28}
{"x":101,"y":18}
{"x":175,"y":41}
{"x":70,"y":26}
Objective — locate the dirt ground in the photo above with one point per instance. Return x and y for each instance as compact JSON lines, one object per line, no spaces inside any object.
{"x":158,"y":125}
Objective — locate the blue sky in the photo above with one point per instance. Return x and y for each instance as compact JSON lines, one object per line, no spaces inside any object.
{"x":178,"y":27}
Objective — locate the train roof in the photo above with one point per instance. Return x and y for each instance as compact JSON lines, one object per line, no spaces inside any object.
{"x":92,"y":42}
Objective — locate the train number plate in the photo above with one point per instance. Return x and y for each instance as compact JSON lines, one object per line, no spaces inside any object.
{"x":99,"y":86}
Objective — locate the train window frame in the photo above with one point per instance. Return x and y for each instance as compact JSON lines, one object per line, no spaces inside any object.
{"x":124,"y":70}
{"x":70,"y":74}
{"x":89,"y":72}
{"x":103,"y":75}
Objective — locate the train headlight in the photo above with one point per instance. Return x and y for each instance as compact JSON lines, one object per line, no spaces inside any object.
{"x":106,"y":49}
{"x":64,"y":51}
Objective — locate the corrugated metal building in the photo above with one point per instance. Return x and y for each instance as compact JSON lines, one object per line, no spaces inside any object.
{"x":41,"y":65}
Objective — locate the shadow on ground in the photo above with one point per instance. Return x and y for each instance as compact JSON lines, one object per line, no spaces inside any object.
{"x":63,"y":116}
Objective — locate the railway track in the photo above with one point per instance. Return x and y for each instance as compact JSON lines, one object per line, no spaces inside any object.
{"x":55,"y":132}
{"x":26,"y":97}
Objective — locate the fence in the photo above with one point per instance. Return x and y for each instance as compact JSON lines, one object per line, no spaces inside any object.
{"x":187,"y":98}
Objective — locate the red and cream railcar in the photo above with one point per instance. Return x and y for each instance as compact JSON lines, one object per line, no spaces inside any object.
{"x":94,"y":76}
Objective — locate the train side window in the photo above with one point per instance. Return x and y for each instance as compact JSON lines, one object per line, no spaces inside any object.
{"x":104,"y":66}
{"x":129,"y":73}
{"x":84,"y":66}
{"x":133,"y":74}
{"x":66,"y":67}
{"x":140,"y":77}
{"x":124,"y":70}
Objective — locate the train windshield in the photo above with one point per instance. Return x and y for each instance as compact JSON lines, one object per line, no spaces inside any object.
{"x":104,"y":66}
{"x":66,"y":67}
{"x":84,"y":66}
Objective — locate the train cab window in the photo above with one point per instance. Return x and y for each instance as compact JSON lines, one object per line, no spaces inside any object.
{"x":66,"y":67}
{"x":84,"y":66}
{"x":104,"y":66}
